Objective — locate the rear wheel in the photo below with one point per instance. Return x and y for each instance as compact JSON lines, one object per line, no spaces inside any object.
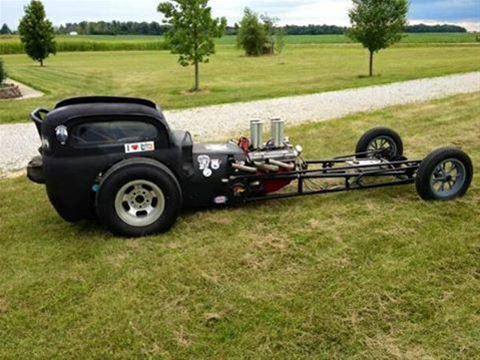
{"x":444,"y":175}
{"x":139,"y":199}
{"x":380,"y":142}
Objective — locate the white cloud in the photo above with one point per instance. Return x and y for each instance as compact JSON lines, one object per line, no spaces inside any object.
{"x":301,"y":12}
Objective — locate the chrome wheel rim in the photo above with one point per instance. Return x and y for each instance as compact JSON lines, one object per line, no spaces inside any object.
{"x":139,"y":203}
{"x":448,"y":178}
{"x":382,"y":145}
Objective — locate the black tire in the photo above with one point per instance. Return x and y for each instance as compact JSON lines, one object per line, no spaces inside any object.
{"x":393,"y":142}
{"x":429,"y":169}
{"x":144,"y":171}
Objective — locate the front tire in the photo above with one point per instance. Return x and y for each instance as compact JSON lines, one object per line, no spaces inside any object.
{"x":445,"y":174}
{"x":139,"y":199}
{"x":380,"y":142}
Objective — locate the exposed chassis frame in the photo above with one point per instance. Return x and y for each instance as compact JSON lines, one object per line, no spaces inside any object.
{"x":354,"y":169}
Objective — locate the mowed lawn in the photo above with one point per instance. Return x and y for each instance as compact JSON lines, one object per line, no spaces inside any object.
{"x":371,"y":274}
{"x":230,"y":76}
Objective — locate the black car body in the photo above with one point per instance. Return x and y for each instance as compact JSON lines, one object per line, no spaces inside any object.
{"x":100,"y":132}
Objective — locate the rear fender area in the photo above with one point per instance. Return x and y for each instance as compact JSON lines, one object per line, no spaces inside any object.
{"x":133,"y":162}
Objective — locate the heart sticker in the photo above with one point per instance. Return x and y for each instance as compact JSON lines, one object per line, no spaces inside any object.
{"x":135,"y":147}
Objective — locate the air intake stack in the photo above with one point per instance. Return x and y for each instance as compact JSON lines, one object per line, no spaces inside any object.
{"x":256,"y":133}
{"x":278,"y":132}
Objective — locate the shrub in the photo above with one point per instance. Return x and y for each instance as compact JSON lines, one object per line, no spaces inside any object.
{"x":3,"y":73}
{"x":252,"y":36}
{"x":259,"y":35}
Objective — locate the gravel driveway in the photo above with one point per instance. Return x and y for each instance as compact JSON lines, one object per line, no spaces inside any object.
{"x":20,"y":142}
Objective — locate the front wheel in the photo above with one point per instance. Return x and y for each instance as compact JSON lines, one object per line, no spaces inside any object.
{"x":444,"y":175}
{"x":139,"y":199}
{"x":380,"y":142}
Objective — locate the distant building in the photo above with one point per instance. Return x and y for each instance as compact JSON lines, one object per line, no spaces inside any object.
{"x":73,"y":33}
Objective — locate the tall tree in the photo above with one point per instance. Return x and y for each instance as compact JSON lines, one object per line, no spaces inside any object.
{"x":377,"y":24}
{"x":37,"y":33}
{"x":5,"y":30}
{"x":192,"y":32}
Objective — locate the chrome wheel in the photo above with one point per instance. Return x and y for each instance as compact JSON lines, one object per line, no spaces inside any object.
{"x":139,"y":203}
{"x":448,"y":178}
{"x":382,"y":145}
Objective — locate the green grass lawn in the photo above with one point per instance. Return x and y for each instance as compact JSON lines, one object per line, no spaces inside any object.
{"x":371,"y":274}
{"x":229,"y":77}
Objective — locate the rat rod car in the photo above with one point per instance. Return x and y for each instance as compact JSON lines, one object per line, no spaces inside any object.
{"x":116,"y":159}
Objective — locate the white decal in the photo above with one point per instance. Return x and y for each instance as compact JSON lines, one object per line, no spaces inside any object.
{"x":215,"y":164}
{"x":204,"y":164}
{"x":217,"y":147}
{"x":220,"y":200}
{"x":140,"y":147}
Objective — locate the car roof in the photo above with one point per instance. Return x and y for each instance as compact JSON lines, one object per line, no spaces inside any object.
{"x":105,"y":100}
{"x":103,"y":106}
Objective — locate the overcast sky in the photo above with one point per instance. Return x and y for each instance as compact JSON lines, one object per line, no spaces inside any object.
{"x":334,"y":12}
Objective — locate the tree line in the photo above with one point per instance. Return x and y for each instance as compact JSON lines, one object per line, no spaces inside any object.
{"x":155,"y":28}
{"x":445,"y":28}
{"x":113,"y":28}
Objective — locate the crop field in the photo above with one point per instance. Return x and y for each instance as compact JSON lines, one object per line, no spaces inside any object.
{"x":375,"y":274}
{"x":11,"y":44}
{"x":229,"y":77}
{"x":426,"y":38}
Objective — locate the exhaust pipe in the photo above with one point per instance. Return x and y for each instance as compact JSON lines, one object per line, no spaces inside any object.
{"x":244,"y":168}
{"x":277,"y":129}
{"x":266,"y":167}
{"x":282,"y":164}
{"x":256,"y":134}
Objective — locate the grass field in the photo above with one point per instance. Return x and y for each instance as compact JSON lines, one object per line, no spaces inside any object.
{"x":11,"y":44}
{"x":229,"y":77}
{"x":376,"y":274}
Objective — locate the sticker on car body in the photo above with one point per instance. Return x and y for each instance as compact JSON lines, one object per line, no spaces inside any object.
{"x":208,"y":165}
{"x":140,"y":147}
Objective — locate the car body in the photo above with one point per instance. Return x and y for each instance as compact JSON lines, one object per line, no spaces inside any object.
{"x":71,"y":170}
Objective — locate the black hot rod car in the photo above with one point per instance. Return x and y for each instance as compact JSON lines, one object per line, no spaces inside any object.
{"x":116,"y":159}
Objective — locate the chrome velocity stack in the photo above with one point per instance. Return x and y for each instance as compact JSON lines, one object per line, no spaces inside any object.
{"x":256,"y":134}
{"x":277,"y":132}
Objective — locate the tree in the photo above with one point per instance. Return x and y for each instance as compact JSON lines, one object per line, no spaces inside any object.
{"x":279,"y":41}
{"x":377,"y":24}
{"x":252,"y":35}
{"x":37,"y":33}
{"x":259,"y":35}
{"x":5,"y":30}
{"x":192,"y":32}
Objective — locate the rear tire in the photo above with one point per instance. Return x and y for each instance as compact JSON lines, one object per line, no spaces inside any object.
{"x":139,"y":198}
{"x":377,"y":139}
{"x":445,"y":174}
